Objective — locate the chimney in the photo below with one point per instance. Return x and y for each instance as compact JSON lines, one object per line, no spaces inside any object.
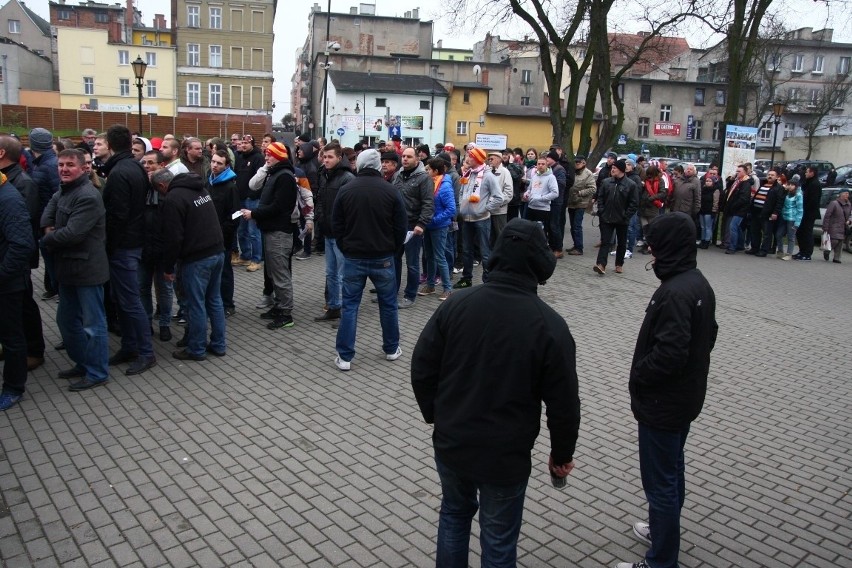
{"x":159,"y":22}
{"x":415,"y":13}
{"x":440,"y":43}
{"x":407,"y":14}
{"x":353,"y":11}
{"x":114,"y":32}
{"x":485,"y":77}
{"x":128,"y":18}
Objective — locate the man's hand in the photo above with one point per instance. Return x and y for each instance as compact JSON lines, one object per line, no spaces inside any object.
{"x":773,"y":217}
{"x":246,"y":213}
{"x":418,"y":230}
{"x":168,"y":277}
{"x":560,"y":470}
{"x":48,"y":230}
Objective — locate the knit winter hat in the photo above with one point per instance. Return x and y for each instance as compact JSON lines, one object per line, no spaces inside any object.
{"x":41,"y":140}
{"x":368,"y":159}
{"x":278,"y":150}
{"x":621,"y":165}
{"x":477,"y":156}
{"x":156,"y":143}
{"x":449,"y":147}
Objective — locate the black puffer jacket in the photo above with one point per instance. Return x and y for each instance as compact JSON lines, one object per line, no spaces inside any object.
{"x":246,"y":165}
{"x":668,"y":377}
{"x":737,"y":202}
{"x":125,"y":193}
{"x":277,"y":199}
{"x":618,"y":200}
{"x":330,"y":182}
{"x":29,"y":190}
{"x":485,"y":401}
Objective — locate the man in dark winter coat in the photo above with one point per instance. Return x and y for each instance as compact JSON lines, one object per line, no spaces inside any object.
{"x":223,"y":188}
{"x":124,"y":194}
{"x":770,"y":213}
{"x":564,"y":181}
{"x":43,"y":172}
{"x":668,"y":380}
{"x":617,"y":201}
{"x":811,"y":195}
{"x":485,"y":404}
{"x":247,"y":161}
{"x":306,"y":160}
{"x":736,"y":205}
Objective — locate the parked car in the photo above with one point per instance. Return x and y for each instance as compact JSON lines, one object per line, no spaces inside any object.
{"x":701,"y":168}
{"x":829,"y":194}
{"x":800,"y":165}
{"x":844,"y":176}
{"x":763,"y":164}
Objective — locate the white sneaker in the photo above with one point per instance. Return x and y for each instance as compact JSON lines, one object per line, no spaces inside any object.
{"x":612,"y":253}
{"x":341,"y":364}
{"x":640,"y":564}
{"x":628,"y":254}
{"x":640,"y":243}
{"x":642,"y":532}
{"x":395,"y":355}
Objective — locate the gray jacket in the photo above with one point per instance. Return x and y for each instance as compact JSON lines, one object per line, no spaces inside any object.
{"x":582,"y":190}
{"x":76,"y":212}
{"x":417,"y":190}
{"x":504,"y":178}
{"x":686,"y":196}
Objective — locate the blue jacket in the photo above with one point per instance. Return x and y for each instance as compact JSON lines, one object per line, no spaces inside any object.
{"x":45,"y":174}
{"x":793,"y":209}
{"x":16,"y":240}
{"x":445,"y":205}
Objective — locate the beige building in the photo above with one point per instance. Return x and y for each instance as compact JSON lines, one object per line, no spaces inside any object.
{"x":224,"y":57}
{"x":95,"y":74}
{"x":23,"y":26}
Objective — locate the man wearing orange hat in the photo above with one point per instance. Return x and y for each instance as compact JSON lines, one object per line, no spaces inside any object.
{"x":273,"y":216}
{"x":481,"y":195}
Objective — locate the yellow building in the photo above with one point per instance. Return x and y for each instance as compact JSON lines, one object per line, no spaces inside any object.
{"x":97,"y":75}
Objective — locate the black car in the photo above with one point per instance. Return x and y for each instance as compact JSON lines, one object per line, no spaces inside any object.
{"x":844,"y":176}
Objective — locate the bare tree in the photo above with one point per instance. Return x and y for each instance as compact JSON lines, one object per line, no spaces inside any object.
{"x":824,"y":108}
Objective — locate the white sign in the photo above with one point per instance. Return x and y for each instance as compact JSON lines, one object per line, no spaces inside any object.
{"x":740,"y":142}
{"x":491,"y":141}
{"x":120,"y":108}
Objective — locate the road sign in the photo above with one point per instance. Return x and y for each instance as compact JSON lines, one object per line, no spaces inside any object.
{"x":341,"y":131}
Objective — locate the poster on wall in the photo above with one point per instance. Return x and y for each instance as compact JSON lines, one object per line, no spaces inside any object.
{"x":352,"y":122}
{"x":376,"y":123}
{"x":491,"y":141}
{"x":412,"y":122}
{"x":740,"y":142}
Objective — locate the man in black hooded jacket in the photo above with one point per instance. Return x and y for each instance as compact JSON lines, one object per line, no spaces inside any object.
{"x":485,"y":402}
{"x":668,"y":380}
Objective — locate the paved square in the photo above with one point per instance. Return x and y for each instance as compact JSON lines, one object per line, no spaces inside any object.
{"x":272,"y":457}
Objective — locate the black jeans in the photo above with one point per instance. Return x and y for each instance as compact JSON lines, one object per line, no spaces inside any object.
{"x":14,"y":342}
{"x":805,"y":237}
{"x":32,"y":323}
{"x":607,"y":231}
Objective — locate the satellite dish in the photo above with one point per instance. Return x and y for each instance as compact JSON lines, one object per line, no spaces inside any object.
{"x":477,"y":70}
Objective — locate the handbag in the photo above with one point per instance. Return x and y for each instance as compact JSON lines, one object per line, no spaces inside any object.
{"x":826,"y":242}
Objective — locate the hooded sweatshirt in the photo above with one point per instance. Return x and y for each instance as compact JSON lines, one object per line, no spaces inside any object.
{"x":542,"y":190}
{"x":485,"y":402}
{"x":190,"y":223}
{"x":226,"y":198}
{"x":668,"y":377}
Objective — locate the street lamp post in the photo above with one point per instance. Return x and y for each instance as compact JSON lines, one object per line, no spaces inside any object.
{"x":363,"y":122}
{"x":777,"y":111}
{"x":139,"y":68}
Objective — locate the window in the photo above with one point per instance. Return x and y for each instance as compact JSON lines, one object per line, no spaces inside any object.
{"x":257,"y":59}
{"x":466,"y":97}
{"x":699,"y":97}
{"x":717,"y":131}
{"x":193,"y":54}
{"x":14,"y":26}
{"x":793,"y":95}
{"x":193,"y":17}
{"x":236,"y":96}
{"x":468,"y":58}
{"x":665,"y":113}
{"x":124,"y":87}
{"x":461,"y":128}
{"x":215,"y":95}
{"x":644,"y":127}
{"x":215,"y":18}
{"x":525,"y":101}
{"x":256,"y":100}
{"x":721,"y":97}
{"x":451,"y":57}
{"x":424,"y":105}
{"x":843,"y":65}
{"x":813,"y":100}
{"x":123,"y":57}
{"x":381,"y":102}
{"x":151,"y":58}
{"x":765,"y":133}
{"x":102,"y":17}
{"x":833,"y":130}
{"x":819,"y":60}
{"x":798,"y":63}
{"x":697,"y":127}
{"x":215,"y":56}
{"x":193,"y":94}
{"x":152,"y":88}
{"x":645,"y":94}
{"x":773,"y":63}
{"x":64,"y":15}
{"x":257,"y":19}
{"x":236,"y":58}
{"x":526,"y":76}
{"x":789,"y":130}
{"x":236,"y":20}
{"x":88,"y":85}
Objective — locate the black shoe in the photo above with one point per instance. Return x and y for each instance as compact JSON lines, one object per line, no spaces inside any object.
{"x":185,"y":355}
{"x":183,"y":341}
{"x":72,"y":373}
{"x":835,"y":261}
{"x":373,"y":291}
{"x":281,"y":321}
{"x":463,"y":283}
{"x":214,"y":352}
{"x":86,"y":384}
{"x":229,"y":311}
{"x":760,"y":254}
{"x":140,"y":365}
{"x":825,"y":255}
{"x":802,"y":257}
{"x":332,"y":314}
{"x":48,"y":294}
{"x":729,"y":251}
{"x":165,"y":333}
{"x":272,"y":314}
{"x":122,"y":357}
{"x":797,"y":256}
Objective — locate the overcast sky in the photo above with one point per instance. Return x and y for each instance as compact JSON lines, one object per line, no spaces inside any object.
{"x":292,"y":19}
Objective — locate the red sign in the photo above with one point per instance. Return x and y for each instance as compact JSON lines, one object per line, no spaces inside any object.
{"x":666,"y":129}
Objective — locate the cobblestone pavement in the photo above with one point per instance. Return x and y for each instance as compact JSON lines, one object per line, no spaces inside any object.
{"x":271,"y":457}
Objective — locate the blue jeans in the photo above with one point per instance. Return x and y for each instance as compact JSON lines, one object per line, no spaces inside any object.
{"x":576,"y":218}
{"x":248,"y":235}
{"x":334,"y":263}
{"x":153,"y":274}
{"x":355,"y":273}
{"x":706,"y":222}
{"x":475,"y":230}
{"x":501,"y":510}
{"x":634,"y":229}
{"x":450,"y":249}
{"x":735,"y":233}
{"x":201,"y":282}
{"x":124,"y":289}
{"x":662,"y":467}
{"x":788,"y":229}
{"x":412,"y":264}
{"x":436,"y":258}
{"x":82,"y":323}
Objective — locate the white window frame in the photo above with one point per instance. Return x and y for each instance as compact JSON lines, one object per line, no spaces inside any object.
{"x":665,"y":113}
{"x":643,"y":128}
{"x":88,"y":85}
{"x":151,"y":58}
{"x":526,"y":76}
{"x":217,"y":102}
{"x":773,"y":63}
{"x":14,"y":26}
{"x":798,"y":65}
{"x":765,"y":132}
{"x":843,"y":65}
{"x":193,"y":54}
{"x":123,"y":57}
{"x":193,"y":94}
{"x":789,"y":130}
{"x":833,"y":130}
{"x":124,"y":87}
{"x":215,"y":18}
{"x":193,"y":16}
{"x":697,"y":128}
{"x":793,"y":95}
{"x":819,"y":63}
{"x":461,"y":128}
{"x":215,"y":60}
{"x":151,"y":86}
{"x":813,"y":99}
{"x":525,"y":101}
{"x":717,"y":130}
